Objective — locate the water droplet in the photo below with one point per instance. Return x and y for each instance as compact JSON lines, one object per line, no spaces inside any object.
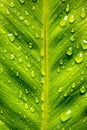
{"x":78,"y":58}
{"x":21,"y":18}
{"x":82,"y":90}
{"x":84,"y":44}
{"x":61,"y":62}
{"x":67,"y":8}
{"x":37,"y":36}
{"x":12,"y":56}
{"x":17,"y":74}
{"x":28,"y":65}
{"x":60,"y":89}
{"x":26,"y":106}
{"x":72,"y":19}
{"x":1,"y":112}
{"x":42,"y":80}
{"x":11,"y":37}
{"x":26,"y":12}
{"x":58,"y":70}
{"x":42,"y":97}
{"x":22,"y":1}
{"x":66,"y":116}
{"x":5,"y":51}
{"x":26,"y":91}
{"x":27,"y":22}
{"x":12,"y":4}
{"x":25,"y":99}
{"x":73,"y":85}
{"x":83,"y":13}
{"x":33,"y":8}
{"x":30,"y":45}
{"x":64,"y":21}
{"x":72,"y":38}
{"x":25,"y":117}
{"x":42,"y":71}
{"x":34,"y":0}
{"x":32,"y":109}
{"x":69,"y":51}
{"x":20,"y":60}
{"x":36,"y":100}
{"x":72,"y":30}
{"x":32,"y":74}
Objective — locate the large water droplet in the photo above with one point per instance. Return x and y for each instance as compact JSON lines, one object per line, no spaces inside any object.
{"x":78,"y":58}
{"x":82,"y":90}
{"x":11,"y":37}
{"x":83,"y":13}
{"x":69,"y":51}
{"x":64,"y":21}
{"x":66,"y":116}
{"x":72,"y":19}
{"x":22,"y":1}
{"x":84,"y":44}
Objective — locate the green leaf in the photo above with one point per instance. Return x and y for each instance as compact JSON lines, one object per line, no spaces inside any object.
{"x":43,"y":65}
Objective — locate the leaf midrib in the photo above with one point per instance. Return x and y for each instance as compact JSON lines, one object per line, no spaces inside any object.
{"x":45,"y":60}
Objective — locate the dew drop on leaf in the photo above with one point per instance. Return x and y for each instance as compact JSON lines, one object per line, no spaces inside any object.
{"x":82,"y":90}
{"x":1,"y":112}
{"x":83,"y":13}
{"x":64,"y":21}
{"x":32,"y":109}
{"x":66,"y":116}
{"x":1,"y":70}
{"x":26,"y":106}
{"x":30,"y":45}
{"x":32,"y":74}
{"x":11,"y":37}
{"x":37,"y":36}
{"x":26,"y":13}
{"x":78,"y":58}
{"x":27,"y":22}
{"x":36,"y":100}
{"x":20,"y":60}
{"x":42,"y":97}
{"x":69,"y":51}
{"x":73,"y":85}
{"x":20,"y":94}
{"x":58,"y":70}
{"x":26,"y":91}
{"x":42,"y":80}
{"x":60,"y":89}
{"x":21,"y":18}
{"x":12,"y":56}
{"x":84,"y":44}
{"x":72,"y":30}
{"x":21,"y":1}
{"x":33,"y":8}
{"x":72,"y":19}
{"x":72,"y":38}
{"x":61,"y":62}
{"x":67,"y":8}
{"x":12,"y":4}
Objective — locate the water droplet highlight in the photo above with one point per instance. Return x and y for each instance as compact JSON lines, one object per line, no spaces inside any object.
{"x":72,"y":19}
{"x":69,"y":51}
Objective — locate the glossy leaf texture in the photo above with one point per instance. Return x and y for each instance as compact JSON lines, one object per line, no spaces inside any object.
{"x":43,"y":65}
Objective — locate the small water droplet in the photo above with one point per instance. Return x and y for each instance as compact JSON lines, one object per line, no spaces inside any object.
{"x":11,"y":37}
{"x":26,"y":106}
{"x":82,"y":72}
{"x":1,"y":112}
{"x":12,"y":4}
{"x":60,"y":89}
{"x":42,"y":80}
{"x":42,"y":97}
{"x":28,"y":65}
{"x":5,"y":51}
{"x":78,"y":58}
{"x":61,"y":62}
{"x":12,"y":56}
{"x":30,"y":45}
{"x":27,"y":22}
{"x":32,"y":74}
{"x":26,"y":12}
{"x":72,"y":38}
{"x":20,"y":94}
{"x":20,"y":60}
{"x":82,"y":90}
{"x":72,"y":30}
{"x":26,"y":91}
{"x":67,"y":8}
{"x":17,"y":74}
{"x":73,"y":85}
{"x":21,"y":18}
{"x":83,"y":13}
{"x":84,"y":44}
{"x":1,"y":70}
{"x":58,"y":70}
{"x":21,"y":1}
{"x":37,"y":36}
{"x":69,"y":51}
{"x":32,"y":109}
{"x":66,"y":116}
{"x":36,"y":100}
{"x":72,"y":19}
{"x":25,"y":99}
{"x":33,"y":8}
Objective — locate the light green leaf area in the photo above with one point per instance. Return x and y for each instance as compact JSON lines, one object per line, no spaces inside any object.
{"x":43,"y":65}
